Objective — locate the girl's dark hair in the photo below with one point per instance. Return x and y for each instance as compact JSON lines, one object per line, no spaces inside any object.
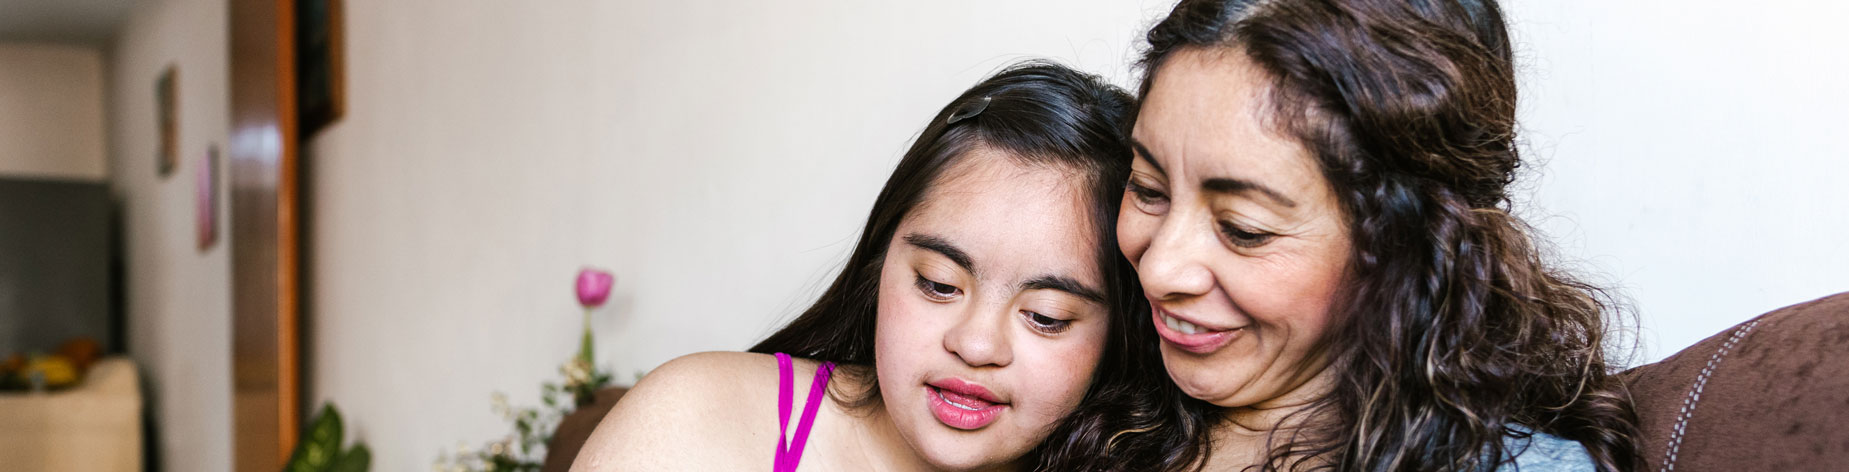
{"x":1040,"y":113}
{"x":1453,"y":333}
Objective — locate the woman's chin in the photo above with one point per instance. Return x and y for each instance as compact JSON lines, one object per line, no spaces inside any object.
{"x":1200,"y":378}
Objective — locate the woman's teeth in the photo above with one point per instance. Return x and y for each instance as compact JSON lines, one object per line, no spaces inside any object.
{"x":1182,"y":326}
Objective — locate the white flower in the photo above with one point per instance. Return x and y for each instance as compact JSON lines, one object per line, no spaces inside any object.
{"x":576,"y":373}
{"x":500,"y":406}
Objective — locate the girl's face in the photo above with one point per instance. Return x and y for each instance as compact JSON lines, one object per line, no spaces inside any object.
{"x":991,"y":311}
{"x":1236,"y":235}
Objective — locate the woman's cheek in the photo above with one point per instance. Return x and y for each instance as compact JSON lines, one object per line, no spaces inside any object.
{"x":1134,"y":229}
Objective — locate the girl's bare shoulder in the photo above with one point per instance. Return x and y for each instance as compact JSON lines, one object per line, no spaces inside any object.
{"x":705,"y":411}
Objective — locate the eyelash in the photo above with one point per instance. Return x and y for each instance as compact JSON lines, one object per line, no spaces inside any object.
{"x":1149,"y":197}
{"x":1242,"y":238}
{"x":1042,"y":323}
{"x":1145,"y":196}
{"x":932,"y":289}
{"x":1050,"y":325}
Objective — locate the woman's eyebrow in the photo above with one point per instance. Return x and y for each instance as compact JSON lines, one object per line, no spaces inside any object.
{"x":1147,"y":157}
{"x":1064,"y":284}
{"x":941,"y":246}
{"x":1227,"y":185}
{"x":1223,"y":185}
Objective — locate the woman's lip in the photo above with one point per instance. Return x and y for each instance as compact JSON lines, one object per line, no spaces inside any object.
{"x":1156,"y":307}
{"x":1205,"y":342}
{"x":960,"y":417}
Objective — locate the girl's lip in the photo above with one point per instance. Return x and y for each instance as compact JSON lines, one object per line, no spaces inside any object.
{"x":965,"y":388}
{"x":950,"y":409}
{"x":1204,"y":342}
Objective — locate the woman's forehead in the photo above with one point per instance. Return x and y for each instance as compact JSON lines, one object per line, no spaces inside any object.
{"x":1209,"y":116}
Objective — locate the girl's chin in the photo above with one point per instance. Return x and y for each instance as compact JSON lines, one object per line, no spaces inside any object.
{"x":962,"y":462}
{"x":949,"y":449}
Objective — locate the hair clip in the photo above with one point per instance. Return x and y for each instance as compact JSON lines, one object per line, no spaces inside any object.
{"x":968,"y":110}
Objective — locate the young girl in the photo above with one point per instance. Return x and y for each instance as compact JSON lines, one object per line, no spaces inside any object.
{"x":984,"y":310}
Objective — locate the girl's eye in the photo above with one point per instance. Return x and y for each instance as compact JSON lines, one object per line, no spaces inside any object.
{"x":1147,"y":199}
{"x":1244,"y":238}
{"x":937,"y":291}
{"x":1046,"y":324}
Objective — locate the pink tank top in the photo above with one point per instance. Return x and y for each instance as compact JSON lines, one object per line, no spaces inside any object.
{"x":789,"y":455}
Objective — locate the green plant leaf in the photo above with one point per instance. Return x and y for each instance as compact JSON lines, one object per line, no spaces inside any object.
{"x":357,"y":459}
{"x":317,"y":448}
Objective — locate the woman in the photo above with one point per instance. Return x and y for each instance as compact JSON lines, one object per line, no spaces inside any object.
{"x":984,"y":302}
{"x":1318,"y":213}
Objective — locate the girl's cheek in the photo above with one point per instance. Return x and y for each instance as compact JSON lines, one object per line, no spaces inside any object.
{"x":1061,"y":386}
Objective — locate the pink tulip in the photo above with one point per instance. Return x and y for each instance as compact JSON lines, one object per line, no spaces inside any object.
{"x":594,"y":287}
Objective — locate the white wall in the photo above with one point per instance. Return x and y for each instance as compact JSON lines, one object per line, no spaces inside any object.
{"x":720,"y":158}
{"x":51,"y":111}
{"x":178,"y":298}
{"x":1691,"y":152}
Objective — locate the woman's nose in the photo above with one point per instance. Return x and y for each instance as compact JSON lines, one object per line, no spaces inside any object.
{"x":1174,"y":264}
{"x":981,"y":337}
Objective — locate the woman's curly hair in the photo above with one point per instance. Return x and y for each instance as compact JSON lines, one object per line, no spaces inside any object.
{"x":1453,"y":332}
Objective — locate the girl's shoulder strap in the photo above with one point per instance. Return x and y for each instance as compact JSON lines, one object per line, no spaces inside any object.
{"x":790,"y":451}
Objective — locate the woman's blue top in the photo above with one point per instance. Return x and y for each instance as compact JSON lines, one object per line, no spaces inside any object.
{"x":1543,"y":452}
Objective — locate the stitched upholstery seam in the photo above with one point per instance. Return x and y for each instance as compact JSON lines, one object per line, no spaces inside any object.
{"x":1694,"y":396}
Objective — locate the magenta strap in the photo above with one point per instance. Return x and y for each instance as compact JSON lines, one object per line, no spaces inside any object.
{"x":791,"y":453}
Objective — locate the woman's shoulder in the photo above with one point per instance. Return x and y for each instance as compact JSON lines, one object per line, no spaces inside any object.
{"x":1542,"y":452}
{"x":692,"y":411}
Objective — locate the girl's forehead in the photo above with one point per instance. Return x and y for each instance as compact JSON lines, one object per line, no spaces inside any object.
{"x":1010,"y":216}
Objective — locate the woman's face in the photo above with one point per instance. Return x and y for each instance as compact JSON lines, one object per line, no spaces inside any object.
{"x":991,"y":317}
{"x":1237,"y":237}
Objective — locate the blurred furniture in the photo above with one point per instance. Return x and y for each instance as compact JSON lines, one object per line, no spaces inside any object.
{"x":95,"y":426}
{"x":1771,"y":393}
{"x":55,"y":257}
{"x":576,"y":428}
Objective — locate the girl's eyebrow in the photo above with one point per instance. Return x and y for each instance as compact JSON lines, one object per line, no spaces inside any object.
{"x":1064,"y":284}
{"x":941,"y":246}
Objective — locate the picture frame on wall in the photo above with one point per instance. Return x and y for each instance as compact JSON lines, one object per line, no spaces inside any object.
{"x":205,"y":200}
{"x":166,"y":104}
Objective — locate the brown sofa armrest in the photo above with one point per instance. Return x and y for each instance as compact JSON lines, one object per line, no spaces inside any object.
{"x":1768,"y":394}
{"x":574,"y":429}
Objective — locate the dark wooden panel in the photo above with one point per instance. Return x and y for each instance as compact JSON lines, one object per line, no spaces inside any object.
{"x":264,"y":249}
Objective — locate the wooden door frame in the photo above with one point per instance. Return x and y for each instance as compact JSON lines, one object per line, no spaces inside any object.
{"x":265,"y":221}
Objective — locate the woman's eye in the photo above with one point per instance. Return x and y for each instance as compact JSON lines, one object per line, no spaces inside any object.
{"x":1244,"y":238}
{"x":1046,"y":324}
{"x":1148,"y":199}
{"x":937,"y":291}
